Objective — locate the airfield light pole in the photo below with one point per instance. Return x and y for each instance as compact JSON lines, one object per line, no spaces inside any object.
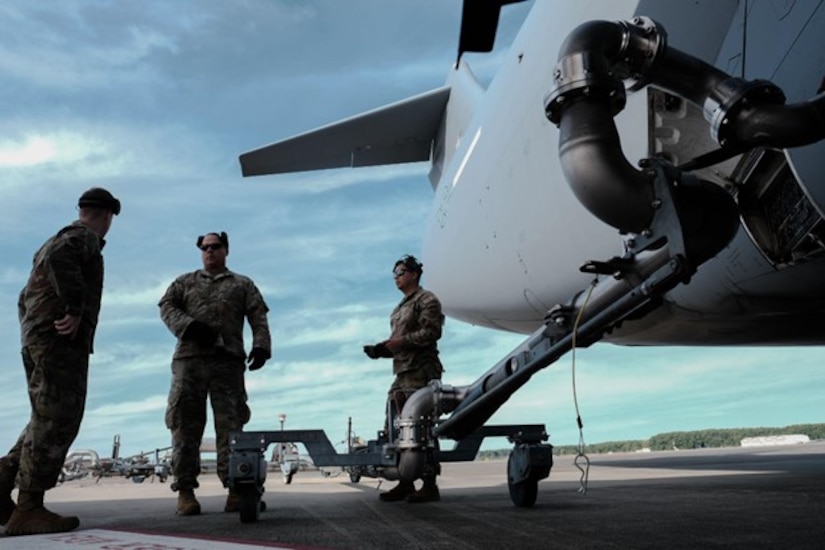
{"x":282,"y":446}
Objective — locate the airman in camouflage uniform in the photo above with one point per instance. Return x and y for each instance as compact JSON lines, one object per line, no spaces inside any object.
{"x":58,"y":310}
{"x":416,"y":324}
{"x":205,"y":310}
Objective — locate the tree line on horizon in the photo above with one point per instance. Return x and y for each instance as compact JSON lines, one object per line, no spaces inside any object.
{"x":668,"y":441}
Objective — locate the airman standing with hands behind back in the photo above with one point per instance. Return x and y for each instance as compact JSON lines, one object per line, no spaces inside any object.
{"x":205,"y":310}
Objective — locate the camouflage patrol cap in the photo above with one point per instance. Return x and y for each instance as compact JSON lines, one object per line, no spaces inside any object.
{"x":411,"y":263}
{"x":97,"y":197}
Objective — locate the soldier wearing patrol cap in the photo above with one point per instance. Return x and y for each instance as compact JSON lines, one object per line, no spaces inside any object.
{"x":58,"y":310}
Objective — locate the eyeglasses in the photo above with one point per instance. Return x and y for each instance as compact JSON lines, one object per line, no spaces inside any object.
{"x":399,"y":272}
{"x":211,"y":246}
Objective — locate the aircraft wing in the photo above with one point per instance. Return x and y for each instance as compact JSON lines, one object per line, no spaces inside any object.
{"x":396,"y":133}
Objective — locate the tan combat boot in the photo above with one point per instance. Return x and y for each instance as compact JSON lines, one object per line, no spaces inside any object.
{"x":399,"y":492}
{"x":7,"y":505}
{"x":188,"y":505}
{"x":31,"y":518}
{"x":233,"y":502}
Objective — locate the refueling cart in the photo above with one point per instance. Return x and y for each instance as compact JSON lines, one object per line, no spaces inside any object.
{"x":387,"y":457}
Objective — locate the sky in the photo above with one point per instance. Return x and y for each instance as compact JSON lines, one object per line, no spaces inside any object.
{"x":155,"y":100}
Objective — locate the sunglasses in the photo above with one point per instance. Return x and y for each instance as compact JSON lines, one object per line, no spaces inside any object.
{"x":211,"y":246}
{"x":399,"y":273}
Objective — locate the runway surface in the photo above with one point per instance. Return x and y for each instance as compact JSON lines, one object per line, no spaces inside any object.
{"x":766,"y":497}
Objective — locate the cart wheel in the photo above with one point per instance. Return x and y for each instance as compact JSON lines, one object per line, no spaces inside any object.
{"x":524,"y":493}
{"x":250,"y":507}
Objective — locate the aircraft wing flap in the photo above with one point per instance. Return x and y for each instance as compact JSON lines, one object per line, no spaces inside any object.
{"x":396,"y":133}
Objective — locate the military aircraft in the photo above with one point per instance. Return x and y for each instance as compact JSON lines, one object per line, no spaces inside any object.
{"x":641,"y":172}
{"x":503,"y":208}
{"x":80,"y":463}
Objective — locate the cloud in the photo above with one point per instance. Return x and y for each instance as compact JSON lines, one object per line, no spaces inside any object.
{"x":151,"y":404}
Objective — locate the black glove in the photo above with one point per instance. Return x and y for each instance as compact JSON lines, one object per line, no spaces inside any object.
{"x":257,"y":358}
{"x":377,"y":351}
{"x":370,"y":351}
{"x":200,"y":332}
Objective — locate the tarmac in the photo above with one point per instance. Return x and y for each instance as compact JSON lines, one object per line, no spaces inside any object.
{"x":756,"y":497}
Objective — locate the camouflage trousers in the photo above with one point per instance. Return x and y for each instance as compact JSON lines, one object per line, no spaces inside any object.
{"x":57,"y":374}
{"x":221,"y":379}
{"x":405,"y":384}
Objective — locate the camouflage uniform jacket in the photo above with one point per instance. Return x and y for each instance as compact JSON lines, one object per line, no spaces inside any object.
{"x":66,"y":277}
{"x":221,"y":301}
{"x":417,"y":320}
